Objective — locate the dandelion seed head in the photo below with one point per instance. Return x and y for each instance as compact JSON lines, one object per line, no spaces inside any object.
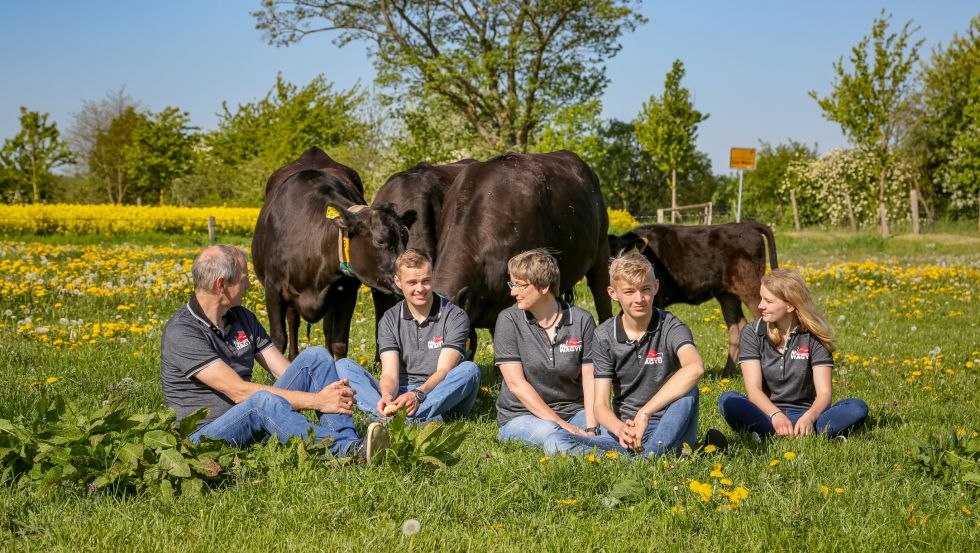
{"x":411,"y":527}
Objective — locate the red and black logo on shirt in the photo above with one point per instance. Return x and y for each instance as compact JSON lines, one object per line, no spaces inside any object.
{"x":654,"y":358}
{"x":571,"y":345}
{"x":435,"y":343}
{"x":801,"y":352}
{"x":241,"y":341}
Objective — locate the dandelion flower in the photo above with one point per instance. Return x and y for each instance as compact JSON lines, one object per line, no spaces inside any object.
{"x":825,"y":491}
{"x":51,"y":379}
{"x":966,"y":510}
{"x":612,"y":454}
{"x":789,"y":456}
{"x":567,"y":501}
{"x":544,"y":459}
{"x":773,"y":462}
{"x":716,"y":471}
{"x":703,"y":490}
{"x":411,"y":527}
{"x":710,"y":448}
{"x":726,"y":481}
{"x":838,"y":490}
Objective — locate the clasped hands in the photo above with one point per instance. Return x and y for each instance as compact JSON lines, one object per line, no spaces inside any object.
{"x":630,"y":433}
{"x":336,"y":397}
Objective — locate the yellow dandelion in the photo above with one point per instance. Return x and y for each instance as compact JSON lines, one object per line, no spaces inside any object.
{"x":838,"y":490}
{"x":612,"y":455}
{"x":705,"y":389}
{"x":677,"y":509}
{"x":789,"y":456}
{"x":703,"y":490}
{"x":824,"y":491}
{"x":592,"y":458}
{"x":710,"y":448}
{"x":726,"y":481}
{"x":567,"y":501}
{"x":51,"y":379}
{"x":773,"y":462}
{"x":966,"y":510}
{"x":716,"y":471}
{"x":544,"y":459}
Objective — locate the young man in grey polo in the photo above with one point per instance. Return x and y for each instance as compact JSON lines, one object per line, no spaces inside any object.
{"x":646,"y":359}
{"x":421,"y":342}
{"x":209,"y":348}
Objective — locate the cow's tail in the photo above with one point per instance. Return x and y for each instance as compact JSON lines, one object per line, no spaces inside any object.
{"x":767,"y":232}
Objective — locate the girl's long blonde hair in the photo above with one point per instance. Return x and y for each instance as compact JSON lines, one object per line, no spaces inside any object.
{"x":790,"y":287}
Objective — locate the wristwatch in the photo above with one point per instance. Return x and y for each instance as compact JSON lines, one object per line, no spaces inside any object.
{"x":594,"y":430}
{"x":419,"y":394}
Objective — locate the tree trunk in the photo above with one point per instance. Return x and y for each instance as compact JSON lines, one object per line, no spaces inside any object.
{"x":882,"y":212}
{"x":34,"y":187}
{"x":673,"y":195}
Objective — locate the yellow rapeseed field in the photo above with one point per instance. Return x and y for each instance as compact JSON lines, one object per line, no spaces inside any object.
{"x":70,"y":219}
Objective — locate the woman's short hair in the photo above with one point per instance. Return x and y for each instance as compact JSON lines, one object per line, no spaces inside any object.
{"x":218,"y":261}
{"x":633,"y":268}
{"x":538,"y":267}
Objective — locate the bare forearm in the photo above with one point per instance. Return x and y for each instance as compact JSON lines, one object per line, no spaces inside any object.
{"x":676,"y":387}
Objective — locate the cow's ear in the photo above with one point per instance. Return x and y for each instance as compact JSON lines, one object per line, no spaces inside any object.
{"x":619,"y":245}
{"x":408,"y":218}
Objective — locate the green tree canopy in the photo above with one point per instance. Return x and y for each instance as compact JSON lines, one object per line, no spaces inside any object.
{"x":950,"y":118}
{"x":627,"y":174}
{"x":762,"y":197}
{"x":575,"y":128}
{"x":504,"y":66}
{"x":31,"y":154}
{"x":868,"y":100}
{"x":161,"y":151}
{"x":109,"y":156}
{"x":667,"y":128}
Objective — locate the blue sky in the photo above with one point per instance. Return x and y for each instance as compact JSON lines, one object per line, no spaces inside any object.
{"x":749,"y":63}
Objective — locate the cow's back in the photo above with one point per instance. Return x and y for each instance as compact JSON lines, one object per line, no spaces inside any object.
{"x":510,"y":204}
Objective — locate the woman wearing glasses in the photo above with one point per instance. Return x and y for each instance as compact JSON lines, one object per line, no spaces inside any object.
{"x":542,"y":346}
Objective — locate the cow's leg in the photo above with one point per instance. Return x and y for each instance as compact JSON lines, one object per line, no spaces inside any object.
{"x":276,"y":308}
{"x":731,"y":311}
{"x":598,"y":280}
{"x":292,"y":331}
{"x":341,"y":299}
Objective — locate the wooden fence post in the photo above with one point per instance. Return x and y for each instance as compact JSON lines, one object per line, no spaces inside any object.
{"x":660,"y":215}
{"x":914,"y":200}
{"x":796,"y":212}
{"x":211,"y":233}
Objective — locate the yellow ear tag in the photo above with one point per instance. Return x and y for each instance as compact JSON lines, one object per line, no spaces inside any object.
{"x":332,"y":212}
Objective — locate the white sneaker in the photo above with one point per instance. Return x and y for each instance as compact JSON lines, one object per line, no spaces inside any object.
{"x":377,"y":442}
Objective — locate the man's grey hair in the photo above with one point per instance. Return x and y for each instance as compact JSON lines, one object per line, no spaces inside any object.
{"x":218,"y":261}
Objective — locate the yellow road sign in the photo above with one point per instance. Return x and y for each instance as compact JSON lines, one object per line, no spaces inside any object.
{"x":742,"y":158}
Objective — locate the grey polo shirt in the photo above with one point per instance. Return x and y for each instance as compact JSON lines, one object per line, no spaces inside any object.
{"x":419,"y":344}
{"x":787,"y":378}
{"x":639,"y":368}
{"x":552,"y":367}
{"x":191,"y":343}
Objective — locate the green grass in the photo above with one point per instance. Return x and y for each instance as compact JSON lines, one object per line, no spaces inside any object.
{"x":899,"y":339}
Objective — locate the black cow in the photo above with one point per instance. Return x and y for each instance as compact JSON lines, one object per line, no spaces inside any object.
{"x":420,"y":189}
{"x":296,"y":251}
{"x":696,"y":263}
{"x":513,"y":203}
{"x":315,"y":158}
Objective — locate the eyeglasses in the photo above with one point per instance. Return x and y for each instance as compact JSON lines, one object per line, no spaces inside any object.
{"x":516,"y":286}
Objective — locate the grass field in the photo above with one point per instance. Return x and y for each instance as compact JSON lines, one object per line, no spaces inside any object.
{"x":905,"y":311}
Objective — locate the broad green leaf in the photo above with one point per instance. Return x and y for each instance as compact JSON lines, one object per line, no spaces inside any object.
{"x":159,"y":439}
{"x":173,"y":463}
{"x":188,"y":424}
{"x":131,"y":453}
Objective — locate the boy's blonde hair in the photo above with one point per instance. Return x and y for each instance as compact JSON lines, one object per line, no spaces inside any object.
{"x":411,"y":259}
{"x":538,"y":267}
{"x":632,"y":268}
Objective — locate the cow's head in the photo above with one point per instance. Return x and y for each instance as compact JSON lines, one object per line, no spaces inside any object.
{"x":618,"y":245}
{"x":377,"y":235}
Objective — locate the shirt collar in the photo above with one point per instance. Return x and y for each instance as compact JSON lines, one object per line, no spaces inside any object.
{"x":620,"y":330}
{"x":435,"y":310}
{"x":197,"y":311}
{"x":564,"y":320}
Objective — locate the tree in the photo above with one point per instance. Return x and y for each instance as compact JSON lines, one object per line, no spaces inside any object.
{"x":289,"y":120}
{"x":626,"y":172}
{"x":667,"y":128}
{"x":868,"y":101}
{"x":161,"y":151}
{"x":575,"y":128}
{"x":948,"y":129}
{"x":505,"y":66}
{"x":109,"y":156}
{"x":30,"y":156}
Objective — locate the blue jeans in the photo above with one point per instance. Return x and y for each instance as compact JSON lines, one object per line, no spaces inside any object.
{"x":264,"y":413}
{"x":677,"y":426}
{"x":838,"y":420}
{"x":532,"y":430}
{"x":452,"y":397}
